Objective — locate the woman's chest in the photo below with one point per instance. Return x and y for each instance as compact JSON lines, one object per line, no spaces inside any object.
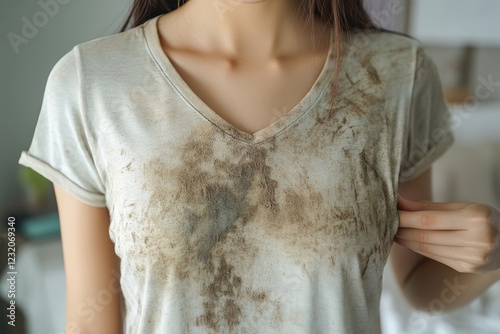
{"x":322,"y":187}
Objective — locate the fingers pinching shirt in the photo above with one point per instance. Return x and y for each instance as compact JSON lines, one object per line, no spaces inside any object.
{"x":463,"y":236}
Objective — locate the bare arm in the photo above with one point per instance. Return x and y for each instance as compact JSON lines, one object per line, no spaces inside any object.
{"x":91,"y":268}
{"x":428,"y":284}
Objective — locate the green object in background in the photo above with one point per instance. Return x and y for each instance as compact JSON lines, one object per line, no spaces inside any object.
{"x":40,"y":222}
{"x":36,"y":186}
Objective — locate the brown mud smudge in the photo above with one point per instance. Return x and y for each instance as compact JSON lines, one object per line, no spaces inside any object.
{"x":372,"y":73}
{"x":220,"y":193}
{"x":217,"y":197}
{"x":220,"y":196}
{"x":224,"y":286}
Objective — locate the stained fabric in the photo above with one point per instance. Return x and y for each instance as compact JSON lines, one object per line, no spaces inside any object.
{"x":220,"y":231}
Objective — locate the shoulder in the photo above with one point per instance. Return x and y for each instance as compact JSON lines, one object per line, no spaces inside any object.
{"x":380,"y":42}
{"x":395,"y":57}
{"x":112,"y":55}
{"x":118,"y":44}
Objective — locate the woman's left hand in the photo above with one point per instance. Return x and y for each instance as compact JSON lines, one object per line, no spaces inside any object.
{"x":463,"y":236}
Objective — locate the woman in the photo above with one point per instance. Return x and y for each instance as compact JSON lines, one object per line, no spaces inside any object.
{"x":236,"y":166}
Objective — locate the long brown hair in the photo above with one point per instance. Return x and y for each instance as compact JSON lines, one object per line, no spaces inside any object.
{"x":341,"y":15}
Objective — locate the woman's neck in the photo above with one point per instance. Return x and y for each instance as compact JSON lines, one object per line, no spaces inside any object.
{"x":260,"y":28}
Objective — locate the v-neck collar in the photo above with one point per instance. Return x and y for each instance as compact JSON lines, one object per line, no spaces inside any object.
{"x":152,"y":38}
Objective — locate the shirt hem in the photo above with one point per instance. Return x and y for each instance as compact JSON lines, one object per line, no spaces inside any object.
{"x":55,"y":176}
{"x":421,"y":166}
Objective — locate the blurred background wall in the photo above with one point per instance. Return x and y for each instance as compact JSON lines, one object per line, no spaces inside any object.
{"x":26,"y":57}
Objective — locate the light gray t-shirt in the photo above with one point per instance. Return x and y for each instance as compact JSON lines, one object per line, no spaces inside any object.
{"x":219,"y":231}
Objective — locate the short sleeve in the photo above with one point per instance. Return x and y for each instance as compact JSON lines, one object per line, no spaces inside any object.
{"x":428,"y":133}
{"x":61,"y":148}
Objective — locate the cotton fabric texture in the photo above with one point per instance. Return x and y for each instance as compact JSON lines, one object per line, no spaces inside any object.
{"x":220,"y":231}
